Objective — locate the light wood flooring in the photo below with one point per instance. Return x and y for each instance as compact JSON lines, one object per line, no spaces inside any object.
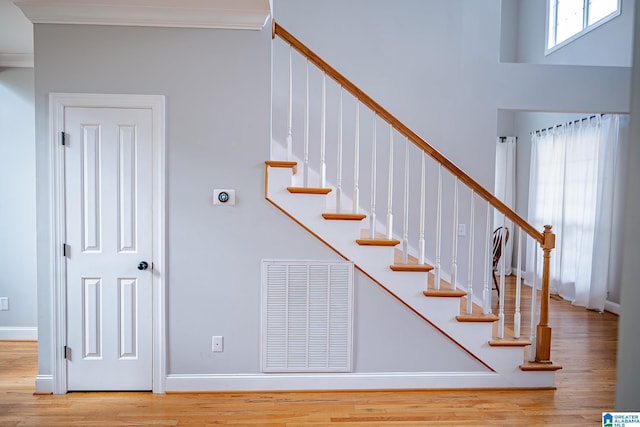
{"x":584,"y":343}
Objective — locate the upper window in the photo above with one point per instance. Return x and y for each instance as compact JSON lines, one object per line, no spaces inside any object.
{"x":569,"y":19}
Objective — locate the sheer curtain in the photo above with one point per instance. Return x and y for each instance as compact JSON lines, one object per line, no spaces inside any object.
{"x":574,"y":169}
{"x":505,"y":190}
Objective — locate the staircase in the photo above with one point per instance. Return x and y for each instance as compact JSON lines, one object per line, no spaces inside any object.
{"x":415,"y":259}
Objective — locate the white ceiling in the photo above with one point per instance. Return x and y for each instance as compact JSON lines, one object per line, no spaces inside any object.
{"x":16,"y":29}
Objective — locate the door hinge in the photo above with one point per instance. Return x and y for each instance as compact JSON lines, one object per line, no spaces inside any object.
{"x":67,"y":352}
{"x":62,"y":138}
{"x":64,"y":249}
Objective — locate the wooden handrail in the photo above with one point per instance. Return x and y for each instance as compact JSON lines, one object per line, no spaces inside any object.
{"x":406,"y":131}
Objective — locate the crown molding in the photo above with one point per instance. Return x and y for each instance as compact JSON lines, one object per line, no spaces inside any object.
{"x":24,"y":60}
{"x":227,"y":14}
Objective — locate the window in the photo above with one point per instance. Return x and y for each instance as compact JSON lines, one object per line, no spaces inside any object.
{"x":569,"y":19}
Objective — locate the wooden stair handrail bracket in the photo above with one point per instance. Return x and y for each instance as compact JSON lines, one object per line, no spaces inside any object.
{"x":543,"y":331}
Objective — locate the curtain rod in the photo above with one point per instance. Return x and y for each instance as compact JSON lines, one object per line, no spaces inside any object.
{"x":567,"y":123}
{"x":504,"y":138}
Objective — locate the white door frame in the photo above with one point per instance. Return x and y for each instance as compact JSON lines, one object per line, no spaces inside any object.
{"x":57,"y":103}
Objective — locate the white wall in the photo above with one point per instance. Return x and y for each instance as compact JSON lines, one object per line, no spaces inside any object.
{"x":607,"y":45}
{"x":17,"y":203}
{"x":217,"y":88}
{"x":627,"y":378}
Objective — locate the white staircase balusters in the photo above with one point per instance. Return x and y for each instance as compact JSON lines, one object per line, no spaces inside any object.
{"x":486,"y":291}
{"x":372,"y":216}
{"x":323,"y":133}
{"x":437,"y":267}
{"x":305,"y":160}
{"x":517,"y":316}
{"x":421,"y":240}
{"x":471,"y":253}
{"x":502,"y":266}
{"x":454,"y":254}
{"x":356,"y":162}
{"x":289,"y":141}
{"x":390,"y":188}
{"x":405,"y":222}
{"x":339,"y":160}
{"x":534,"y":306}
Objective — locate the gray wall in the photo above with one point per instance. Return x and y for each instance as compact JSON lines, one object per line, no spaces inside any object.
{"x":524,"y":37}
{"x":17,"y":199}
{"x":217,"y":88}
{"x":628,"y":379}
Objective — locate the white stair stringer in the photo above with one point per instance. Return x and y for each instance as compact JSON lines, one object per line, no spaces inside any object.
{"x":374,"y":261}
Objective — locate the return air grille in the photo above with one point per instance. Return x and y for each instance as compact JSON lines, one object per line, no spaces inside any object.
{"x":307,"y":316}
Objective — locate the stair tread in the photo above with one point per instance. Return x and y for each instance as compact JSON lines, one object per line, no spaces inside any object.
{"x":477,"y":317}
{"x":309,"y":190}
{"x":509,"y":342}
{"x":411,"y":267}
{"x":445,"y":293}
{"x":377,"y":242}
{"x":283,"y":164}
{"x":343,"y":216}
{"x":535,"y":366}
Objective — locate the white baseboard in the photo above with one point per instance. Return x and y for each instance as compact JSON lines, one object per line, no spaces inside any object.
{"x":18,"y":333}
{"x":318,"y":382}
{"x":44,"y":384}
{"x":612,"y":307}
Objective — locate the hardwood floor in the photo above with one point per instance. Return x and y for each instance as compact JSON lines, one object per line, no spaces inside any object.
{"x":584,"y":343}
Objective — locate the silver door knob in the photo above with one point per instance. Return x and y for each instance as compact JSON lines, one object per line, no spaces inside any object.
{"x":143,"y":265}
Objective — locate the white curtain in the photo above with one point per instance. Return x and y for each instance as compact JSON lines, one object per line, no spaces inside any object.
{"x":574,"y":169}
{"x":505,"y":190}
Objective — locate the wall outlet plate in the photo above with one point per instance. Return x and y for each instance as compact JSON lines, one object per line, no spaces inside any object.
{"x":4,"y":303}
{"x":217,"y":344}
{"x":224,"y":197}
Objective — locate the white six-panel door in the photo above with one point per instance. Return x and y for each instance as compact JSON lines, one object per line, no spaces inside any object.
{"x":109,"y":224}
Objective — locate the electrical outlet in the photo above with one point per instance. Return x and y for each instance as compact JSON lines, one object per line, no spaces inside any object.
{"x":217,"y":344}
{"x":462,"y":229}
{"x":4,"y":303}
